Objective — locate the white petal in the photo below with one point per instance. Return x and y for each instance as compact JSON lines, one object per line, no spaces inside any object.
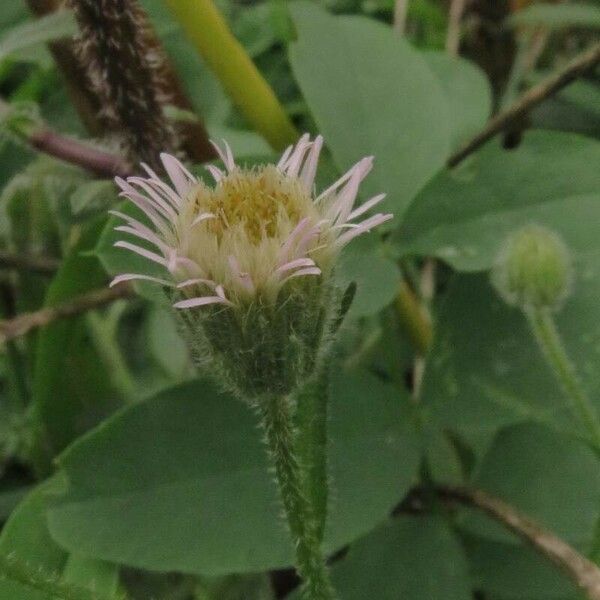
{"x":182,"y":179}
{"x":189,"y":282}
{"x":284,"y":157}
{"x":142,"y":252}
{"x":136,"y":276}
{"x":343,"y":178}
{"x":225,"y":155}
{"x":303,"y":272}
{"x":154,"y":196}
{"x":143,"y":235}
{"x":216,"y":173}
{"x":342,"y":206}
{"x":363,"y":227}
{"x":292,"y":239}
{"x":201,"y":301}
{"x":203,"y":217}
{"x":292,"y":168}
{"x":363,"y":208}
{"x":295,"y":264}
{"x":309,"y":170}
{"x":145,"y":206}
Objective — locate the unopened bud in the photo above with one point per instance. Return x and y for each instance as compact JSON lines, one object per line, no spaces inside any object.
{"x":533,"y":269}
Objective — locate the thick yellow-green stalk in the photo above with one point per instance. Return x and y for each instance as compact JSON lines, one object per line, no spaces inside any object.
{"x":229,"y":61}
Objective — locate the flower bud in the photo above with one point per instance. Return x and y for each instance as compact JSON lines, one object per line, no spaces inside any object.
{"x":250,"y":261}
{"x":533,"y":269}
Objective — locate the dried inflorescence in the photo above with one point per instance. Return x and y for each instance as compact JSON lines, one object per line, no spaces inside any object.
{"x":125,"y":67}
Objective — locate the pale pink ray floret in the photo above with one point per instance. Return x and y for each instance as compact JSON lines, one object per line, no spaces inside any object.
{"x":175,"y":224}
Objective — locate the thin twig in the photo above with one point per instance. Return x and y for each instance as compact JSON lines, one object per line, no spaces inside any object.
{"x":28,"y":262}
{"x":400,"y":12}
{"x":535,"y":96}
{"x":583,"y":572}
{"x":457,"y":9}
{"x":22,"y":324}
{"x":77,"y":153}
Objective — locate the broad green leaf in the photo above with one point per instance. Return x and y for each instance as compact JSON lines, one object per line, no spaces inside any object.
{"x":95,"y":575}
{"x":413,"y":558}
{"x":556,"y":16}
{"x":165,"y":344}
{"x":25,"y":539}
{"x":467,"y":90}
{"x":25,"y":535}
{"x":513,"y":572}
{"x":485,"y":370}
{"x":550,"y":477}
{"x":377,"y":277}
{"x":372,"y":94}
{"x":91,"y":198}
{"x":23,"y":37}
{"x":71,"y":392}
{"x":192,"y":474}
{"x":463,"y":216}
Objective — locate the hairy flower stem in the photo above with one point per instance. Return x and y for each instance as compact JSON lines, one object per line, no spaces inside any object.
{"x":548,"y":338}
{"x":276,"y":413}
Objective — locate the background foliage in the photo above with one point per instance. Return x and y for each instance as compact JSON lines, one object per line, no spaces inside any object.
{"x":124,"y":474}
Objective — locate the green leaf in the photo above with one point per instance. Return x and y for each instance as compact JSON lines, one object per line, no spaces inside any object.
{"x":377,"y":277}
{"x":485,"y":370}
{"x":161,"y":334}
{"x":191,"y":463}
{"x":413,"y":558}
{"x":514,"y":572}
{"x":574,"y":14}
{"x":27,"y":550}
{"x":468,"y":93}
{"x":372,"y":94}
{"x":23,"y":37}
{"x":71,"y":392}
{"x":92,"y":197}
{"x":95,"y":575}
{"x":550,"y":477}
{"x":25,"y":534}
{"x":463,"y":216}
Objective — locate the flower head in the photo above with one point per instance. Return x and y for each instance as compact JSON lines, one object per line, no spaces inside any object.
{"x":259,"y":240}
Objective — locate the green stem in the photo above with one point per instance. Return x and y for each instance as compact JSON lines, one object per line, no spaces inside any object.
{"x":548,"y":338}
{"x":207,"y":29}
{"x":276,"y":413}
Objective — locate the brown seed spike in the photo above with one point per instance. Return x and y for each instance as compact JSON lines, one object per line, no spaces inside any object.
{"x":125,"y":66}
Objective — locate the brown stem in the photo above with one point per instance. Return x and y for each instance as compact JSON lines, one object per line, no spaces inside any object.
{"x":535,"y":96}
{"x":22,"y":324}
{"x":77,"y":153}
{"x":457,"y":9}
{"x":583,"y":572}
{"x":25,"y":262}
{"x":400,"y":13}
